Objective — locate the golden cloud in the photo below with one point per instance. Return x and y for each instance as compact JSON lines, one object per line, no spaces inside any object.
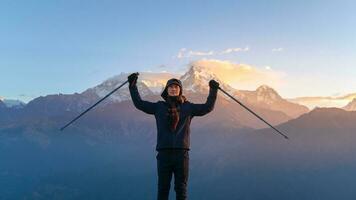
{"x":243,"y":76}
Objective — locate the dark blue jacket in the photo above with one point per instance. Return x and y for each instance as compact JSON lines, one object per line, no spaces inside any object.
{"x":181,"y":137}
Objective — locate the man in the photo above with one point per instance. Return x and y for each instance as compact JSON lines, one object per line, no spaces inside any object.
{"x":173,"y":117}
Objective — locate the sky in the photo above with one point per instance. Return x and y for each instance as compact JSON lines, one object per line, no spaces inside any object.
{"x":51,"y":47}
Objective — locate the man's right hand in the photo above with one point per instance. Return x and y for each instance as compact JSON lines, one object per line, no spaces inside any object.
{"x":213,"y":84}
{"x":132,"y":79}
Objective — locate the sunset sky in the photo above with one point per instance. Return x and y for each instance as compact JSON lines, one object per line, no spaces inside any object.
{"x":300,"y":48}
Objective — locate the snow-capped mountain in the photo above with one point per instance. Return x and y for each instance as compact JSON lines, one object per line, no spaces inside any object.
{"x":13,"y":103}
{"x":266,"y":97}
{"x":195,"y":83}
{"x":263,"y":94}
{"x":107,"y":86}
{"x":197,"y":78}
{"x":333,"y":101}
{"x":351,"y":106}
{"x":148,"y":83}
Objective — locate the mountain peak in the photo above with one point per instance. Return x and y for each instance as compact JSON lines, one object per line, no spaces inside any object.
{"x":264,"y":88}
{"x":351,"y":106}
{"x":197,"y":79}
{"x":198,"y":73}
{"x":267,"y":94}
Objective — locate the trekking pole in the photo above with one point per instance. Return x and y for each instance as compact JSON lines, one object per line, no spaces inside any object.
{"x":94,"y":105}
{"x":286,"y":137}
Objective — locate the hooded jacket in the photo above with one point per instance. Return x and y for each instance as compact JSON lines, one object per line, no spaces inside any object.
{"x":180,"y":138}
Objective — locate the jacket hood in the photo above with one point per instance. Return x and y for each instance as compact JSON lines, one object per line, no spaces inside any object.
{"x":164,"y":94}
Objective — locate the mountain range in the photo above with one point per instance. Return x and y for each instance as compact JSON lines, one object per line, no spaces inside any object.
{"x":333,"y":101}
{"x":263,"y":100}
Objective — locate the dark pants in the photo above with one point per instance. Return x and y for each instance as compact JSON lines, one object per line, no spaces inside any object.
{"x":173,"y":161}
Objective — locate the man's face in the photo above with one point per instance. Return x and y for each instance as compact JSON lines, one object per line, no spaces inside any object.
{"x":173,"y":90}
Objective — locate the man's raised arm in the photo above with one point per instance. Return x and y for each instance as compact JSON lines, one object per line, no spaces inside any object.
{"x":145,"y":106}
{"x":208,"y":106}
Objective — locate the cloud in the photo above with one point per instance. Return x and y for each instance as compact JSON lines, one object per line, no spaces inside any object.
{"x":232,"y":50}
{"x":200,"y":53}
{"x":181,"y":53}
{"x":185,"y":53}
{"x":268,"y":67}
{"x":277,"y":49}
{"x":243,"y":76}
{"x":162,"y":66}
